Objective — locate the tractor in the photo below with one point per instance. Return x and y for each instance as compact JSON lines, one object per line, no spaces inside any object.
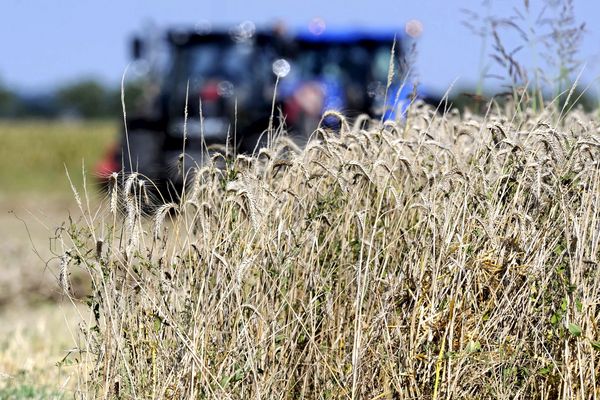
{"x":213,"y":89}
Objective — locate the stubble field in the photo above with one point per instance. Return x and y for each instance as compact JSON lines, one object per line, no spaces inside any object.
{"x":37,"y":326}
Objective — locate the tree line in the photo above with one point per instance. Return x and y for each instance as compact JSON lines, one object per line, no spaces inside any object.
{"x":82,"y":99}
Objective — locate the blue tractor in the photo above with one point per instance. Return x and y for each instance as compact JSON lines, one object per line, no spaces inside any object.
{"x":345,"y":71}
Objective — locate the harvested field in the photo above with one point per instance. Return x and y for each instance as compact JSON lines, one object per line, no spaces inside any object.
{"x":38,"y":327}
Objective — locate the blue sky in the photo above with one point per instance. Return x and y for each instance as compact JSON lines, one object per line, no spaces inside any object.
{"x":48,"y":42}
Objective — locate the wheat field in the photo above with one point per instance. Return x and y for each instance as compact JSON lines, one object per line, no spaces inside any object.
{"x":446,"y":255}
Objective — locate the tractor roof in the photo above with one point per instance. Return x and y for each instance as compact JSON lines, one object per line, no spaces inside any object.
{"x":348,"y":36}
{"x":182,"y":37}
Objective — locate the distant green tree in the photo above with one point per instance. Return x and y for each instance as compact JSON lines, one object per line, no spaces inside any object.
{"x":91,"y":99}
{"x":8,"y":102}
{"x":86,"y":99}
{"x":577,"y":97}
{"x":134,"y":95}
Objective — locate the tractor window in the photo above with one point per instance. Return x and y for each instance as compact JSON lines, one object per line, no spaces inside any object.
{"x":232,"y":62}
{"x":381,"y":64}
{"x":220,"y":72}
{"x":347,"y":62}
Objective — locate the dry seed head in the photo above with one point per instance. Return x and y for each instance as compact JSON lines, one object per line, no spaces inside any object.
{"x":361,"y":168}
{"x":360,"y":222}
{"x":285,"y":143}
{"x":390,"y":126}
{"x":243,"y":162}
{"x":114,"y":191}
{"x":244,"y":159}
{"x":265,"y":152}
{"x":359,"y":122}
{"x":341,"y":117}
{"x":233,"y":186}
{"x":241,"y":189}
{"x":250,"y":206}
{"x":395,"y":194}
{"x":129,"y":184}
{"x":193,"y":194}
{"x":552,"y":143}
{"x":144,"y":191}
{"x":199,"y":173}
{"x":278,"y":165}
{"x":99,"y":245}
{"x":180,"y":159}
{"x":383,"y":164}
{"x":332,"y":151}
{"x":75,"y":194}
{"x":241,"y":270}
{"x":132,"y":213}
{"x":159,"y":217}
{"x":63,"y":273}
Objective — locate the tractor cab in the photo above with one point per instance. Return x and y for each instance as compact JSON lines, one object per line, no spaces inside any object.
{"x":223,"y":82}
{"x":343,"y":71}
{"x":212,"y":88}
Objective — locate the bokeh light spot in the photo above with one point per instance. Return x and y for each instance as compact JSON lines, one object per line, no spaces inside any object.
{"x":414,"y":28}
{"x":281,"y":67}
{"x":317,"y":26}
